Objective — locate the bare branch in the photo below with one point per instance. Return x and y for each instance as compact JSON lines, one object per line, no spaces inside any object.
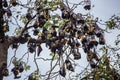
{"x":53,"y":68}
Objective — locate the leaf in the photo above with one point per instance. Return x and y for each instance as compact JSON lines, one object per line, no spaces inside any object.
{"x":54,"y":55}
{"x":103,"y":49}
{"x":36,"y":77}
{"x":96,"y":77}
{"x":15,"y":61}
{"x":45,"y":2}
{"x":51,"y":4}
{"x":18,"y":30}
{"x":62,"y":22}
{"x":23,"y":19}
{"x":49,"y":36}
{"x":105,"y":61}
{"x":110,"y":24}
{"x":47,"y":24}
{"x":56,"y":16}
{"x":27,"y":67}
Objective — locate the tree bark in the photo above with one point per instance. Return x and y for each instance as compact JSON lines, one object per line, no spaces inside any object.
{"x":3,"y":55}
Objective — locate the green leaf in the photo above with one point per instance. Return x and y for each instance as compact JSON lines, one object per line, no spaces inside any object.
{"x":23,"y":19}
{"x":56,"y":16}
{"x":27,"y":67}
{"x":47,"y":24}
{"x":36,"y":77}
{"x":18,"y":30}
{"x":52,"y":54}
{"x":103,"y":49}
{"x":49,"y":36}
{"x":55,"y":57}
{"x":110,"y":24}
{"x":62,"y":22}
{"x":53,"y":3}
{"x":97,"y":77}
{"x":15,"y":61}
{"x":45,"y":2}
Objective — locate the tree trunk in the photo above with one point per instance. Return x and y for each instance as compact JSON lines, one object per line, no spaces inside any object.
{"x":3,"y":55}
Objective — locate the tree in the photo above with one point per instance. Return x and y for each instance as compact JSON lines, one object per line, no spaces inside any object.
{"x":63,"y":34}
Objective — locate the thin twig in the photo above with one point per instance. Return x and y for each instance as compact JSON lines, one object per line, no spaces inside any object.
{"x":44,"y":59}
{"x":53,"y":68}
{"x":36,"y":62}
{"x":23,"y":56}
{"x":12,"y":57}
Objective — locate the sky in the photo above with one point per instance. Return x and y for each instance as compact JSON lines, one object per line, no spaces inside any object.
{"x":103,"y":9}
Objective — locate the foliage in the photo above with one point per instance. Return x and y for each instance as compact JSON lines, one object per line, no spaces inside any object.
{"x":113,"y":22}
